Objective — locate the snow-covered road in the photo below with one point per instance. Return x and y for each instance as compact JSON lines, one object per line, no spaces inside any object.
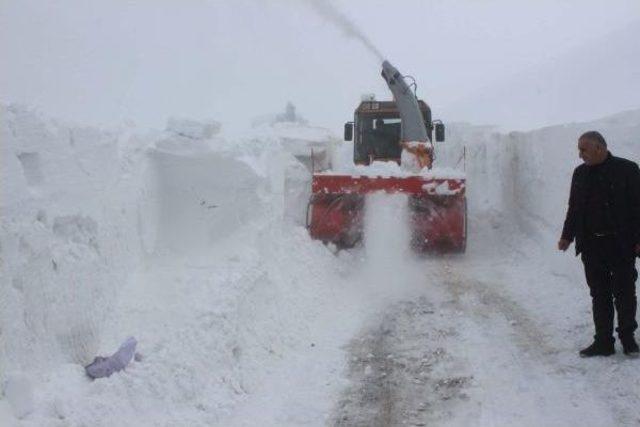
{"x":473,"y":350}
{"x":458,"y":349}
{"x":467,"y":340}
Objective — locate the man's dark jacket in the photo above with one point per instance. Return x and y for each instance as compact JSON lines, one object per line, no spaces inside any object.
{"x":622,"y":178}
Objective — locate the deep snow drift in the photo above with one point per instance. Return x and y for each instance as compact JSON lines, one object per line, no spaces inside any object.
{"x":195,"y":244}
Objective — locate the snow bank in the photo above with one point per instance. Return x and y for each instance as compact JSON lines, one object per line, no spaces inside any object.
{"x":176,"y":237}
{"x":526,"y":175}
{"x":69,"y":195}
{"x":312,"y":146}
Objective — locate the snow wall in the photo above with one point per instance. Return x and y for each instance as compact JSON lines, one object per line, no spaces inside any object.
{"x":85,"y":210}
{"x":524,"y":177}
{"x":68,"y":197}
{"x":82,"y":208}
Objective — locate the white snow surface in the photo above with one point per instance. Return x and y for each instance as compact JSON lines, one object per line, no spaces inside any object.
{"x":193,"y":243}
{"x":343,"y":165}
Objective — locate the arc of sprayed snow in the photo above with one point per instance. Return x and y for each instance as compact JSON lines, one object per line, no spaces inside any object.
{"x":328,"y":11}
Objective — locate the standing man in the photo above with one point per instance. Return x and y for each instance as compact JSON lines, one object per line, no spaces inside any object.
{"x":604,"y":219}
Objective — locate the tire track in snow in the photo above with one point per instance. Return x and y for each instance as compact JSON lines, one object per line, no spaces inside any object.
{"x":461,"y":344}
{"x":462,"y":353}
{"x":610,"y":384}
{"x":526,"y":331}
{"x":542,"y":388}
{"x":401,"y":371}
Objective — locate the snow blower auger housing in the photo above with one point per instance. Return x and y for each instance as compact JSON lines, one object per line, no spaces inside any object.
{"x":399,"y":133}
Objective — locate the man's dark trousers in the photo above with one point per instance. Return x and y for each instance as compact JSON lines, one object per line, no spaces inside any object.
{"x":611,"y":275}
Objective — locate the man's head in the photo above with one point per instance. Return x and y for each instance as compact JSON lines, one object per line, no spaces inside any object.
{"x":592,"y":148}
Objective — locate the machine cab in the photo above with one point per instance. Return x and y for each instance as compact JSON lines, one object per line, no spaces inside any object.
{"x":376,"y":131}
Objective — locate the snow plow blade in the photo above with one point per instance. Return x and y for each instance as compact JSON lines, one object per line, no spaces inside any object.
{"x":437,"y":209}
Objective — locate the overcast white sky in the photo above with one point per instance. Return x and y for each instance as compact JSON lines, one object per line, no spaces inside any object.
{"x":102,"y":62}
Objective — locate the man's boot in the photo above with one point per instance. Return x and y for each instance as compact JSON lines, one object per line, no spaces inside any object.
{"x":630,"y":346}
{"x":599,"y":348}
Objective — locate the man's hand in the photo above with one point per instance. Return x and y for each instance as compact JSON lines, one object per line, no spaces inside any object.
{"x":563,"y":244}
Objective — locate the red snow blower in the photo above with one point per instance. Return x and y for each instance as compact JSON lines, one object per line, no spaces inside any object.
{"x":381,"y":131}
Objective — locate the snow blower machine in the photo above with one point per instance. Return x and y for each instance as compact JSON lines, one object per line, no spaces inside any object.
{"x":395,"y":133}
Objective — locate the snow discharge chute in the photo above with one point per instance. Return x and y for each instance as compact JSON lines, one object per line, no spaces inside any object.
{"x":413,"y":127}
